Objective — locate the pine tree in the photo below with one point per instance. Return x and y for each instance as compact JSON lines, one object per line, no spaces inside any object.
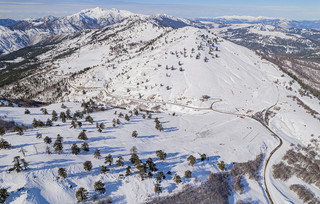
{"x":134,"y":134}
{"x":120,"y":162}
{"x":187,"y":174}
{"x":157,"y":188}
{"x":39,"y":135}
{"x":151,"y":164}
{"x":63,"y":117}
{"x":62,"y":173}
{"x":48,"y":151}
{"x":118,"y":121}
{"x":127,"y":118}
{"x":87,"y":165}
{"x":177,"y":179}
{"x":26,"y":111}
{"x":49,"y":122}
{"x":89,"y":119}
{"x":82,"y":195}
{"x":134,"y":158}
{"x":101,"y":126}
{"x":162,"y":155}
{"x":108,"y":159}
{"x":128,"y":172}
{"x":100,"y":130}
{"x":3,"y":195}
{"x":2,"y":131}
{"x":97,"y":154}
{"x":85,"y":147}
{"x":47,"y":140}
{"x":58,"y":147}
{"x":25,"y":164}
{"x":222,"y":166}
{"x":75,"y":149}
{"x":192,"y":160}
{"x":136,"y":112}
{"x":203,"y":157}
{"x":4,"y":144}
{"x":18,"y":129}
{"x":83,"y":135}
{"x":68,"y":114}
{"x":54,"y":115}
{"x":23,"y":151}
{"x":73,"y":124}
{"x":16,"y":165}
{"x":99,"y":186}
{"x":79,"y":124}
{"x":104,"y":169}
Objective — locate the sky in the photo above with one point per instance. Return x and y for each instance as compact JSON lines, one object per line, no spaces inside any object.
{"x":292,"y":9}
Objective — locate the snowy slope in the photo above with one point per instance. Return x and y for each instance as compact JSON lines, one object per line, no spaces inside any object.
{"x":138,"y":63}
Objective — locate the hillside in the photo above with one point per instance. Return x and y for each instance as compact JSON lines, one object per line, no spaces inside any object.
{"x":184,"y":90}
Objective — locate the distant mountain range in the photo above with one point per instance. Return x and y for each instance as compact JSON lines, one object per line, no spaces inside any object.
{"x":276,"y":35}
{"x":281,"y":22}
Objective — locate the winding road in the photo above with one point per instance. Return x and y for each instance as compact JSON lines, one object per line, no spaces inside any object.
{"x":263,"y":123}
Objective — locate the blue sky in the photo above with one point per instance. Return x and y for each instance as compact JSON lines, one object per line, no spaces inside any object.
{"x":293,"y":9}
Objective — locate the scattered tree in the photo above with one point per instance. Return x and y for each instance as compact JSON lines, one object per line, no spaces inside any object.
{"x":162,"y":155}
{"x":120,"y":161}
{"x":187,"y":174}
{"x":75,"y":149}
{"x":2,"y":131}
{"x":4,"y":144}
{"x":26,"y":111}
{"x":85,"y":147}
{"x":104,"y":169}
{"x":157,"y":188}
{"x":83,"y":135}
{"x":222,"y":166}
{"x":192,"y":160}
{"x":135,"y":134}
{"x":108,"y":159}
{"x":97,"y":154}
{"x":99,"y":187}
{"x":203,"y":157}
{"x":82,"y":195}
{"x":128,"y":171}
{"x":87,"y":165}
{"x":177,"y":179}
{"x":47,"y":140}
{"x":62,"y":173}
{"x":3,"y":195}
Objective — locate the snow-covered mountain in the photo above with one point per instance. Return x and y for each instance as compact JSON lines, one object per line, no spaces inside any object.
{"x":279,"y":22}
{"x":31,"y":31}
{"x":273,"y":39}
{"x":7,"y":22}
{"x":207,"y":97}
